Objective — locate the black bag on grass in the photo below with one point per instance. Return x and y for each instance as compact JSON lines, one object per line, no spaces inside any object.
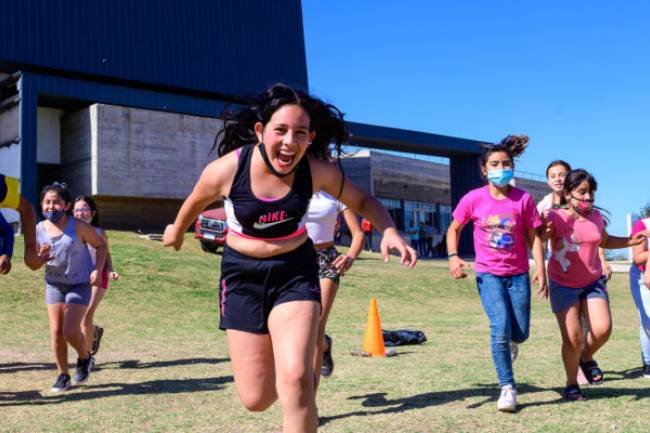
{"x":402,"y":337}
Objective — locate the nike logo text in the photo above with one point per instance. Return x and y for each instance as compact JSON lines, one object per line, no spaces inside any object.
{"x":262,"y":226}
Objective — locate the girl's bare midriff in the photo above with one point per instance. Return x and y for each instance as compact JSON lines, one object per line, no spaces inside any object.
{"x":263,"y":249}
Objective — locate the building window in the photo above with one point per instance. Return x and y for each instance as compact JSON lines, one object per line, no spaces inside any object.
{"x":394,"y":208}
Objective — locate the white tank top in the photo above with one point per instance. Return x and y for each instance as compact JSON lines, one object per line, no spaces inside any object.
{"x":321,"y":217}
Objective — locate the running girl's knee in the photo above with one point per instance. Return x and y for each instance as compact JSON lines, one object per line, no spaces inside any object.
{"x":257,"y":400}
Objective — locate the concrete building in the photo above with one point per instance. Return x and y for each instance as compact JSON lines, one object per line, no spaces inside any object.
{"x":121,"y":99}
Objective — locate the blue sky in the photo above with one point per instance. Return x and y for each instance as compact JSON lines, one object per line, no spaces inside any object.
{"x":574,"y":76}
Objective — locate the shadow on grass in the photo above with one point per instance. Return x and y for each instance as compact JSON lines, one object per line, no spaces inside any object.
{"x":88,"y":392}
{"x":14,"y":367}
{"x":135,"y":363}
{"x":489,"y":394}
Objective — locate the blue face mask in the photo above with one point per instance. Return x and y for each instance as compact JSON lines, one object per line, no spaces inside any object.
{"x":53,"y":215}
{"x":500,"y":177}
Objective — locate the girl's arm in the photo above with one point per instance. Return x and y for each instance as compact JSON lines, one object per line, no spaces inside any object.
{"x":28,"y":226}
{"x":607,"y":269}
{"x":210,"y":187}
{"x":539,"y":276}
{"x":109,"y":260}
{"x":456,"y":264}
{"x":345,"y":261}
{"x":646,"y":274}
{"x":90,"y":236}
{"x":329,"y":178}
{"x":615,"y":242}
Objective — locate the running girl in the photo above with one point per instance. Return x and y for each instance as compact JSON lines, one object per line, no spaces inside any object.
{"x":273,"y":157}
{"x":69,"y":274}
{"x":322,"y":217}
{"x":506,"y":223}
{"x":85,"y":209}
{"x":577,"y":284}
{"x":641,"y":289}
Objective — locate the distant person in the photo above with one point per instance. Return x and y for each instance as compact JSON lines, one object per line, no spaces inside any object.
{"x":69,"y":275}
{"x":506,"y":225}
{"x":322,"y":217}
{"x":640,"y":288}
{"x":577,"y":284}
{"x":10,"y":198}
{"x":414,"y":235}
{"x":366,"y":227}
{"x":85,"y":209}
{"x":273,"y":155}
{"x":428,"y":230}
{"x":422,"y":240}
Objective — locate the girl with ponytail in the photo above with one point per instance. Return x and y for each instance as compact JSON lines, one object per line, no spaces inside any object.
{"x":506,"y":225}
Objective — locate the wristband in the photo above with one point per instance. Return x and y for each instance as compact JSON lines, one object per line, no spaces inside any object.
{"x":449,"y":256}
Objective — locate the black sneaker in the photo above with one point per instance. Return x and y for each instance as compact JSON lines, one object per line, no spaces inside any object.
{"x":646,"y":371}
{"x":84,"y":366}
{"x":97,"y":338}
{"x":62,"y":383}
{"x":328,"y":363}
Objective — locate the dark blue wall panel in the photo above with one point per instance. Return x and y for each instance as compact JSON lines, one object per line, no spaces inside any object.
{"x":224,"y":47}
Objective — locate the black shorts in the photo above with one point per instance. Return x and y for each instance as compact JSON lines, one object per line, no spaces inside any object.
{"x":250,"y":287}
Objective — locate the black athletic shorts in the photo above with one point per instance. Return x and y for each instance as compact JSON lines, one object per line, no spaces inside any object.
{"x":250,"y":287}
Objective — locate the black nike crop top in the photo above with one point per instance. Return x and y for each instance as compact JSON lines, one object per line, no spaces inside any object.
{"x":253,"y":217}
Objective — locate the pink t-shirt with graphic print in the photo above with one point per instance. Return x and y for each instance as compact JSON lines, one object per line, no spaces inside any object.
{"x":500,"y":229}
{"x":638,"y":227}
{"x":574,"y":244}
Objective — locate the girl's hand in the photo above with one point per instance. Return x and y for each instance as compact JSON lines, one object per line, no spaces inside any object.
{"x":172,"y":238}
{"x":342,"y":263}
{"x":607,"y":270}
{"x":392,"y":240}
{"x":114,"y":275}
{"x":45,"y":253}
{"x":94,"y":278}
{"x":539,"y":277}
{"x":646,"y":278}
{"x":638,"y":238}
{"x":456,"y":265}
{"x":5,"y":264}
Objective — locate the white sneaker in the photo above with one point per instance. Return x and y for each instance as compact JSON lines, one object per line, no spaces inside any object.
{"x":508,"y":399}
{"x":514,"y":351}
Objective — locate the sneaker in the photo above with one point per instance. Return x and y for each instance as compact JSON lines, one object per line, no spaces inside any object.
{"x":62,"y":383}
{"x":508,"y":399}
{"x":514,"y":351}
{"x":646,"y":371}
{"x":97,"y":338}
{"x":328,"y":362}
{"x":84,"y":366}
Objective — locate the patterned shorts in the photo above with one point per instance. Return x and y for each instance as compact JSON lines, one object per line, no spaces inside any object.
{"x":325,"y":259}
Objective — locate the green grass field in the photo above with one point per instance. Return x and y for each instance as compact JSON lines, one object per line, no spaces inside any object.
{"x":163,"y":364}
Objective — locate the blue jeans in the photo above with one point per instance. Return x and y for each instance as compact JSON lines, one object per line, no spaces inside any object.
{"x":641,"y":296}
{"x":506,"y":302}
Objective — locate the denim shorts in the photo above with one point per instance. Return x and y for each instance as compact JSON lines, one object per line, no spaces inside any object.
{"x":564,"y":297}
{"x":62,"y":294}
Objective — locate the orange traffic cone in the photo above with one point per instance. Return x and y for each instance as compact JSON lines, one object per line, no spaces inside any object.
{"x":373,"y":341}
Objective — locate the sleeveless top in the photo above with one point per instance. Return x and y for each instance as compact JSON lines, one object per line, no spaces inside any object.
{"x":271,"y":219}
{"x":71,"y":263}
{"x":321,"y":217}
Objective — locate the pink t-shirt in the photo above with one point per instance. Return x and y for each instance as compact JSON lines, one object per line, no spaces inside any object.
{"x":639,"y":226}
{"x":500,"y":229}
{"x":574,"y":244}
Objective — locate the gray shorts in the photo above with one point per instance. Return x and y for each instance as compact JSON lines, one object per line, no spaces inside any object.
{"x":564,"y":297}
{"x":64,"y":294}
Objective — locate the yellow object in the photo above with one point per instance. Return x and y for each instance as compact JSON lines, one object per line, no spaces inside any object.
{"x":10,"y":197}
{"x":373,"y":341}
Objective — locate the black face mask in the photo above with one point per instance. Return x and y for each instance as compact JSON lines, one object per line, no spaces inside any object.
{"x":267,"y":161}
